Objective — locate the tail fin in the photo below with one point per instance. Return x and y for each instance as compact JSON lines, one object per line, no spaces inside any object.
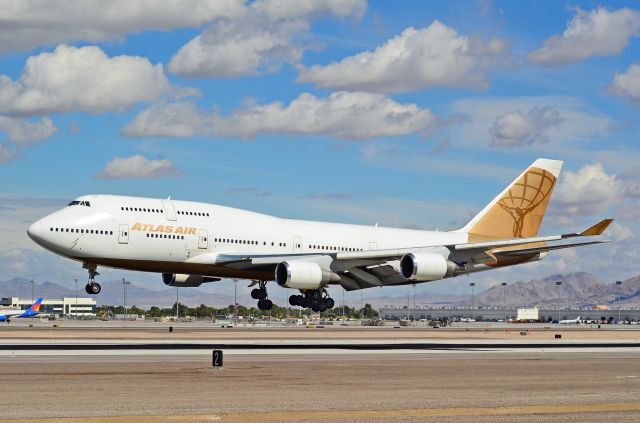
{"x":35,"y":307}
{"x":518,"y":211}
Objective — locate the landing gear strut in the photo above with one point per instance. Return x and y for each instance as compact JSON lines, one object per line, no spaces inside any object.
{"x":317,"y":300}
{"x":260,"y":294}
{"x":92,"y":287}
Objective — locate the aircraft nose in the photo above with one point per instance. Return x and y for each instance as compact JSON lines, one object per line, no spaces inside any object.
{"x":35,"y":231}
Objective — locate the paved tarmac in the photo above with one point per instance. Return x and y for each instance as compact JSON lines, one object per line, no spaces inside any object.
{"x":480,"y":384}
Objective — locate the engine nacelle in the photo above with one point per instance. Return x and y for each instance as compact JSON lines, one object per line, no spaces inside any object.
{"x":187,"y":281}
{"x":426,"y":267}
{"x":303,"y":275}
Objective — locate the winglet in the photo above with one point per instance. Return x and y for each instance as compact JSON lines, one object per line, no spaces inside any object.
{"x":598,"y":228}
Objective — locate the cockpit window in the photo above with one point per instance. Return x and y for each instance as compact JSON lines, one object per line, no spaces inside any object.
{"x":79,"y":203}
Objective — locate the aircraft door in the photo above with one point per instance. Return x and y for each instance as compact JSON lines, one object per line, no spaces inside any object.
{"x":297,"y":244}
{"x":373,"y":246}
{"x":123,"y":234}
{"x":203,"y":240}
{"x":169,"y":210}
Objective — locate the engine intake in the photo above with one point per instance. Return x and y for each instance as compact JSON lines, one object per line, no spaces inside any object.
{"x":303,"y":275}
{"x":187,"y":281}
{"x":426,"y":267}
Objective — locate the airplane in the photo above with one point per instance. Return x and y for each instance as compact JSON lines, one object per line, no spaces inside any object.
{"x":570,"y":322}
{"x":192,"y":243}
{"x":7,"y":315}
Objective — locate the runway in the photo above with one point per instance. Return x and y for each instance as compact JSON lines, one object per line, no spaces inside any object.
{"x":470,"y":380}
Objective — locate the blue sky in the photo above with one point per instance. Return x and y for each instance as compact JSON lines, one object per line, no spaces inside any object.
{"x":411,"y":114}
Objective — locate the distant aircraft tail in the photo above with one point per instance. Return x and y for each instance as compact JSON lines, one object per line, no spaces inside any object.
{"x":518,"y":211}
{"x":33,"y":310}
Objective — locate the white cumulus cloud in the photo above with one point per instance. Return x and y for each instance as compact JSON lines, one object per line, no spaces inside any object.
{"x":342,"y":115}
{"x":264,"y":36}
{"x":599,"y":32}
{"x":138,"y":167}
{"x":5,"y":155}
{"x":589,"y":191}
{"x":84,"y":79}
{"x":30,"y":23}
{"x":517,"y":129}
{"x":627,"y":84}
{"x":22,"y":133}
{"x":434,"y":56}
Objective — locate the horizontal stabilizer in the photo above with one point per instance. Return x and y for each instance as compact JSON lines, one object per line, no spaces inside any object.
{"x":598,"y":228}
{"x":542,"y":248}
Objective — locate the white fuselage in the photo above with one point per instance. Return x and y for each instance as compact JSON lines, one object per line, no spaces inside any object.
{"x":169,"y":236}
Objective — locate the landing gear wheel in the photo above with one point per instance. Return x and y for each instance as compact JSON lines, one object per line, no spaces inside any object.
{"x":93,"y":288}
{"x":265,"y":304}
{"x":259,"y":293}
{"x":318,"y":306}
{"x":296,"y":300}
{"x":306,"y":302}
{"x":315,"y":294}
{"x":329,"y":302}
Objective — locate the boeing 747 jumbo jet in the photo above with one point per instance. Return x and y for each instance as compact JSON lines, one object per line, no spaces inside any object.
{"x":194,"y":243}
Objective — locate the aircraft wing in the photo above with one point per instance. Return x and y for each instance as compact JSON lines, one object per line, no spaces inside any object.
{"x":366,"y":269}
{"x":9,"y":314}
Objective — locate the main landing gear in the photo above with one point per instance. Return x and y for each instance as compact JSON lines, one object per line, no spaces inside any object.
{"x":317,"y":300}
{"x":92,"y":287}
{"x":260,"y":294}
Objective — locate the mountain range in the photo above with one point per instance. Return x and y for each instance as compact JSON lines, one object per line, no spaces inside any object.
{"x":576,"y":289}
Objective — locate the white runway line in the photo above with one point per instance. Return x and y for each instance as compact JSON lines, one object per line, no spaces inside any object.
{"x":7,"y":355}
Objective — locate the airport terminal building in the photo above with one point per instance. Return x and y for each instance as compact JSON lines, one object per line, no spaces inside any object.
{"x":67,"y":306}
{"x":498,"y":314}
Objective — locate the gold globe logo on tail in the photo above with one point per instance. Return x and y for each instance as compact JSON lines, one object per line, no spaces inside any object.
{"x":526,"y":195}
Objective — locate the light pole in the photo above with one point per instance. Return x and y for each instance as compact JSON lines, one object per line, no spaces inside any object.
{"x":235,"y":293}
{"x":558,"y":283}
{"x":177,"y":303}
{"x":473,"y":301}
{"x":504,"y":300}
{"x":413,"y":310}
{"x":408,"y":305}
{"x":124,"y":299}
{"x":76,"y":310}
{"x":31,"y":290}
{"x":619,"y":283}
{"x":342,"y":311}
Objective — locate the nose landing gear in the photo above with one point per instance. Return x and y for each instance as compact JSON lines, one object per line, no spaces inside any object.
{"x":92,"y":287}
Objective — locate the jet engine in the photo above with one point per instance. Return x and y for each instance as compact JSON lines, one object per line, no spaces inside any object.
{"x":303,"y":275}
{"x":426,"y":267}
{"x":188,"y":281}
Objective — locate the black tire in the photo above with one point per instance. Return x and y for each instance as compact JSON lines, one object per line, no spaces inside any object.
{"x":268,"y":304}
{"x":322,"y":306}
{"x":261,"y":304}
{"x":329,"y":303}
{"x":315,"y":294}
{"x":255,"y":294}
{"x":293,"y":300}
{"x":95,"y":288}
{"x":87,"y":289}
{"x":306,"y":302}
